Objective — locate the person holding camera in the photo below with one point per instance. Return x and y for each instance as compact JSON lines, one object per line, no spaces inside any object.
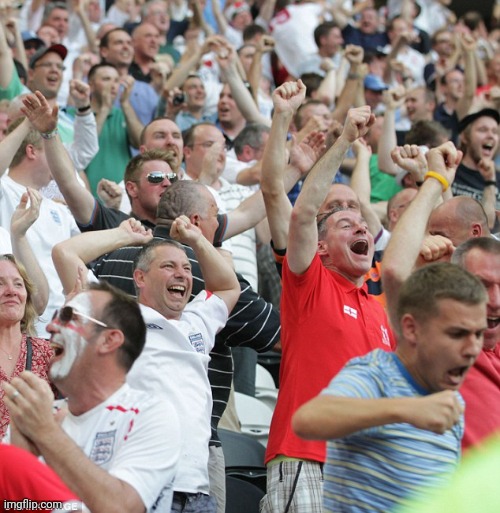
{"x":188,"y":104}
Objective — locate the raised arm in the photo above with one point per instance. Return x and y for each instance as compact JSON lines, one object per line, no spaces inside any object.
{"x":134,"y":126}
{"x":286,"y":100}
{"x":354,"y":55}
{"x":227,"y":59}
{"x":13,"y":25}
{"x":303,"y":234}
{"x":219,"y":17}
{"x":252,"y":210}
{"x":393,"y":99}
{"x":408,"y":235}
{"x":11,"y":143}
{"x":79,"y":7}
{"x":187,"y":65}
{"x":23,"y":217}
{"x":328,"y":86}
{"x":71,"y":255}
{"x":360,"y":184}
{"x":339,"y":14}
{"x":488,"y":172}
{"x":219,"y":276}
{"x":264,"y":45}
{"x":44,"y":119}
{"x":6,"y":62}
{"x":468,"y":45}
{"x":86,"y":141}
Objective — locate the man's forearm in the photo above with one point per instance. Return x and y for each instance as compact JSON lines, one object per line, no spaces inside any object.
{"x":70,"y":254}
{"x":328,"y":417}
{"x":387,"y":143}
{"x":320,"y":179}
{"x":134,"y":126}
{"x":406,"y":240}
{"x":470,"y":79}
{"x":488,"y":201}
{"x":11,"y":143}
{"x":24,"y":253}
{"x":99,"y":490}
{"x":278,"y":207}
{"x":79,"y":200}
{"x":6,"y":61}
{"x":243,"y":98}
{"x":217,"y":273}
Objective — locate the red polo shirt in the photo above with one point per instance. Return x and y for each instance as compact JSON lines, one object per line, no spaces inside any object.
{"x":325,"y":321}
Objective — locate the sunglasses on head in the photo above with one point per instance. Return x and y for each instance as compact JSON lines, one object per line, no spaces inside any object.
{"x":67,"y":314}
{"x":159,"y":176}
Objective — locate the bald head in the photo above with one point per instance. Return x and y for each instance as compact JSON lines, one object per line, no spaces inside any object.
{"x":398,"y":204}
{"x":459,"y":219}
{"x":341,"y":197}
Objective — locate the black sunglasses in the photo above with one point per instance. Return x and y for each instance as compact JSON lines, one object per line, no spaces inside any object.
{"x":159,"y":176}
{"x":67,"y":314}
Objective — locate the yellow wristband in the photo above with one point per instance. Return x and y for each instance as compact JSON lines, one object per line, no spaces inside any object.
{"x":441,"y":179}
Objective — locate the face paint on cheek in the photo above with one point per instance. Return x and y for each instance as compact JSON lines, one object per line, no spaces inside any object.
{"x":74,"y":345}
{"x":73,"y":342}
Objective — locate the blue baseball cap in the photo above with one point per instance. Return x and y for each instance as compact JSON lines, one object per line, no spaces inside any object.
{"x":375,"y":83}
{"x":30,"y":36}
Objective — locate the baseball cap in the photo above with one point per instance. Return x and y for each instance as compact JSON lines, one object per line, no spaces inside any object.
{"x":375,"y":83}
{"x":30,"y":36}
{"x":465,"y":122}
{"x":61,"y":50}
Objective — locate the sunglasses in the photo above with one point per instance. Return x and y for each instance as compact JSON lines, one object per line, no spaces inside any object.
{"x":159,"y":176}
{"x":67,"y":314}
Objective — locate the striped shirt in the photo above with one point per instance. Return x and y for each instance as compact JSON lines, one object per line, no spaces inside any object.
{"x":244,"y":246}
{"x":377,"y":468}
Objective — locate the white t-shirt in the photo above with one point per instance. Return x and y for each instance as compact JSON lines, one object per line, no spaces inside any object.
{"x":293,"y":32}
{"x":135,"y":436}
{"x":174,"y":364}
{"x":5,"y":242}
{"x":54,"y":224}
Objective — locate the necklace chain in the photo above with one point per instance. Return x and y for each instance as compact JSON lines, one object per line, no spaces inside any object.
{"x":9,"y":356}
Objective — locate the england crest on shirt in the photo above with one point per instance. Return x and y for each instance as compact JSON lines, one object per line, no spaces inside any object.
{"x":102,"y":449}
{"x":196,"y":340}
{"x":55,"y":216}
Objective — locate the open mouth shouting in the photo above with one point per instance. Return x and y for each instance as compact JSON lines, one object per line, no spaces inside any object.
{"x":360,"y":247}
{"x":493,"y":322}
{"x":177,"y":291}
{"x":57,"y":348}
{"x":455,"y":376}
{"x":488,"y":149}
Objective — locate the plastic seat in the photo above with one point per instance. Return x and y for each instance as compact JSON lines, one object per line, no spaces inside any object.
{"x":242,"y":496}
{"x":265,"y":388}
{"x":241,"y":450}
{"x":244,"y":457}
{"x":264,"y":379}
{"x":255,"y":417}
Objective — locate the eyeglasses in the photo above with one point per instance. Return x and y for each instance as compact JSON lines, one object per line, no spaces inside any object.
{"x":158,"y":177}
{"x":67,"y":314}
{"x":32,"y":46}
{"x":60,"y":67}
